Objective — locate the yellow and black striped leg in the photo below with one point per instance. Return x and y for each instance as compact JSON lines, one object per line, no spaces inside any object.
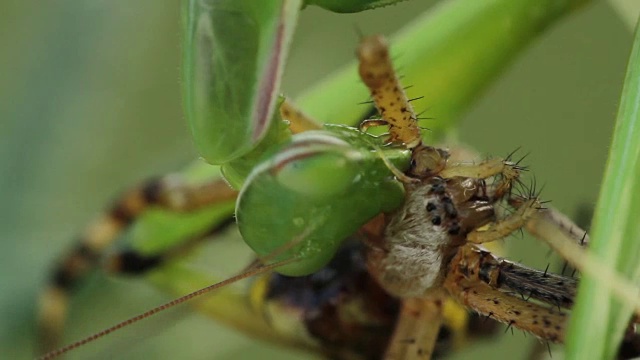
{"x":167,"y":193}
{"x":131,"y":262}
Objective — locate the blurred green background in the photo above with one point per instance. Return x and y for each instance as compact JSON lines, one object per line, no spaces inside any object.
{"x":90,"y":103}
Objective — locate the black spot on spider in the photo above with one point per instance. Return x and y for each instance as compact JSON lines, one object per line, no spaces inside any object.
{"x":437,"y":220}
{"x":430,"y":206}
{"x":437,"y":188}
{"x":450,"y":210}
{"x":454,"y":230}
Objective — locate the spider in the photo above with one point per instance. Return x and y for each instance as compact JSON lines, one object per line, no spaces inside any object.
{"x":423,"y":252}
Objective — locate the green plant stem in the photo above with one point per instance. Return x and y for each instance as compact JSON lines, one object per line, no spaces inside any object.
{"x":598,"y":320}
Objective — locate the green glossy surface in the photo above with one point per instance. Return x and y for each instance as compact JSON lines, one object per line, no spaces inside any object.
{"x":316,"y":191}
{"x":350,"y":6}
{"x":234,"y":54}
{"x":616,"y":230}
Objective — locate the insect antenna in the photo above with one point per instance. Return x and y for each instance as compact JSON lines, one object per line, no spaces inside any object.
{"x":257,"y":267}
{"x":255,"y":271}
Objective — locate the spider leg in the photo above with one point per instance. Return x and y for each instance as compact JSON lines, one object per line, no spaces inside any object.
{"x":510,"y":277}
{"x":483,"y":170}
{"x":167,"y":193}
{"x":500,"y":228}
{"x":417,"y":328}
{"x":376,"y":71}
{"x":547,"y":323}
{"x":555,"y":221}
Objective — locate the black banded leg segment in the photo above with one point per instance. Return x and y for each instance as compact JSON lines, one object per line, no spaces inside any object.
{"x":133,"y":263}
{"x":167,"y":193}
{"x":510,"y":277}
{"x":463,"y":281}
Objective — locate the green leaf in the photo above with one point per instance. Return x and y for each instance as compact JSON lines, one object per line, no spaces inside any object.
{"x":351,"y":6}
{"x":234,"y":54}
{"x":616,"y":231}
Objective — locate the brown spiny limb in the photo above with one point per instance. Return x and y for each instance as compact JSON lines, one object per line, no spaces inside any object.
{"x":479,"y":265}
{"x":417,"y":328}
{"x":298,"y":120}
{"x":376,"y":71}
{"x":166,"y":193}
{"x":547,"y":323}
{"x":500,"y":228}
{"x":553,"y":218}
